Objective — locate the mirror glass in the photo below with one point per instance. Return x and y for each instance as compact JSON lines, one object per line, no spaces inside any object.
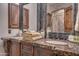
{"x":30,"y":16}
{"x":59,"y":17}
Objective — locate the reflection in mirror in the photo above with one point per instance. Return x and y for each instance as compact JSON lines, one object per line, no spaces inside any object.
{"x":25,"y":16}
{"x":59,"y":19}
{"x":30,"y":17}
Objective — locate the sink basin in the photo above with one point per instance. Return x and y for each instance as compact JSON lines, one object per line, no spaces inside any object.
{"x":57,"y":42}
{"x":18,"y":38}
{"x":13,"y":37}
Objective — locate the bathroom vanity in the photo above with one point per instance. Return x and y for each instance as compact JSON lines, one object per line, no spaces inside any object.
{"x":42,"y":47}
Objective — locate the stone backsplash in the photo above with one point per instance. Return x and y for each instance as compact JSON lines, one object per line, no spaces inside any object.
{"x":58,"y":35}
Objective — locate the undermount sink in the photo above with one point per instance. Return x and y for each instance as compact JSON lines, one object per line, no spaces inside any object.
{"x":57,"y":42}
{"x":17,"y":38}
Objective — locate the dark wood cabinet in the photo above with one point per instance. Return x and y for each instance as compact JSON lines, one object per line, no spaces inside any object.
{"x":25,"y":18}
{"x":23,"y":48}
{"x":15,"y":49}
{"x":13,"y":16}
{"x":12,"y":47}
{"x":7,"y":45}
{"x":26,"y":49}
{"x":38,"y":51}
{"x":68,"y":19}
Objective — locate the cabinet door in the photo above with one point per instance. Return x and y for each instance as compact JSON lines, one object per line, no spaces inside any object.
{"x":7,"y":45}
{"x":13,"y":15}
{"x":68,"y":19}
{"x":38,"y":51}
{"x":26,"y":49}
{"x":25,"y":18}
{"x":15,"y":48}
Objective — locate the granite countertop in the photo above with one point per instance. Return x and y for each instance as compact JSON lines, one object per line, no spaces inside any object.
{"x":69,"y":47}
{"x":19,"y":39}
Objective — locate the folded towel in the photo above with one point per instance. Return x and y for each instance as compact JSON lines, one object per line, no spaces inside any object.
{"x":73,"y":38}
{"x":31,"y":35}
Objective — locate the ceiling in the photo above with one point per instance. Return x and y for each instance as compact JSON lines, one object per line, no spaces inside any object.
{"x":54,"y":6}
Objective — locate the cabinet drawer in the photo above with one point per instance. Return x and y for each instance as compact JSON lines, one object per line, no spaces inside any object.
{"x":28,"y":49}
{"x":42,"y":52}
{"x":26,"y":54}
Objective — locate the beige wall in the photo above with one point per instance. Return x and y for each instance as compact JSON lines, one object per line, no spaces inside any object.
{"x":3,"y":19}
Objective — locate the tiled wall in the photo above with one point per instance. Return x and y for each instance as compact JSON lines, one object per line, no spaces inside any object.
{"x":62,"y":36}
